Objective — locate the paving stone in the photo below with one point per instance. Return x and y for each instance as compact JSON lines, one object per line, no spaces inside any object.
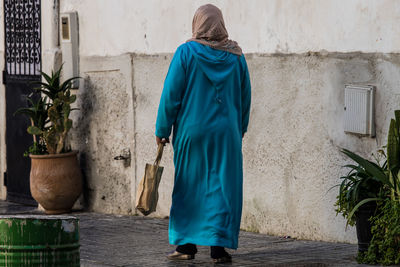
{"x":111,"y":240}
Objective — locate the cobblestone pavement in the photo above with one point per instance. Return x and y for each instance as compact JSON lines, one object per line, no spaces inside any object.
{"x":111,"y":240}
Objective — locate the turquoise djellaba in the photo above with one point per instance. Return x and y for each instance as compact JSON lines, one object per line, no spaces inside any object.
{"x":206,"y":100}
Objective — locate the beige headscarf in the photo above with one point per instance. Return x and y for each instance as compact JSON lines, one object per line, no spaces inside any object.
{"x":208,"y":28}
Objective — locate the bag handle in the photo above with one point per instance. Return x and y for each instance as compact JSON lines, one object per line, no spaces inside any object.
{"x":160,"y":150}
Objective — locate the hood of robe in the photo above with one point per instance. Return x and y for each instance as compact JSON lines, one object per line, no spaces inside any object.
{"x":217,"y":65}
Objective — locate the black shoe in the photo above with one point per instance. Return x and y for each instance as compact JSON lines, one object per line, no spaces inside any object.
{"x":219,"y":255}
{"x":223,"y":259}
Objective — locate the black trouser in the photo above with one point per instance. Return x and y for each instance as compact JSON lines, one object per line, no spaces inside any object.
{"x":191,"y":249}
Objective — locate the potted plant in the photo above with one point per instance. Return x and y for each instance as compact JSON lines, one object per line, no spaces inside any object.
{"x":357,"y":185}
{"x":385,"y":244}
{"x":384,"y":247}
{"x":55,"y":178}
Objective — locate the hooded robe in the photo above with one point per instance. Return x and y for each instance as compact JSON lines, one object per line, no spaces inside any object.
{"x":206,"y":100}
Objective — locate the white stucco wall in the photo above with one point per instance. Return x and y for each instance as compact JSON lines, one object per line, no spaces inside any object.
{"x":104,"y":127}
{"x":284,"y":26}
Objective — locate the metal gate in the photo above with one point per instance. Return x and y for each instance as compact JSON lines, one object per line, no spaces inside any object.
{"x":22,"y":32}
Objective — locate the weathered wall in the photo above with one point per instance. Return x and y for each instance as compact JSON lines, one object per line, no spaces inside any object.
{"x":103,"y":129}
{"x":288,"y":26}
{"x":291,"y":151}
{"x":149,"y":74}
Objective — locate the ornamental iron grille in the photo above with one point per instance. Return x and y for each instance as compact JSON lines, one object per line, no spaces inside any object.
{"x":22,"y":38}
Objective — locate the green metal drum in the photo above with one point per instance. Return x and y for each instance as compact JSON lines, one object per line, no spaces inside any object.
{"x":36,"y":240}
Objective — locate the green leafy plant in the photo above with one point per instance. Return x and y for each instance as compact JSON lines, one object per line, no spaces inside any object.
{"x":357,"y":185}
{"x":393,"y":152}
{"x":391,"y":177}
{"x":376,"y":172}
{"x":385,"y":244}
{"x":37,"y":113}
{"x":50,"y":122}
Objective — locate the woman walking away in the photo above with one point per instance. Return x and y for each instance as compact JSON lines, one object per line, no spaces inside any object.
{"x":206,"y":98}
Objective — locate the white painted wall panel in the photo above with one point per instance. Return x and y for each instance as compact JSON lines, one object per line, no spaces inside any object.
{"x":284,"y":26}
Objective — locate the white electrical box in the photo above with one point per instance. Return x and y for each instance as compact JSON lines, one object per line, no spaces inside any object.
{"x":359,"y":109}
{"x":69,"y":46}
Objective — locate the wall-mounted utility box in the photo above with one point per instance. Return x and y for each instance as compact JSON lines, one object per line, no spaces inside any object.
{"x":359,"y":109}
{"x":69,"y":46}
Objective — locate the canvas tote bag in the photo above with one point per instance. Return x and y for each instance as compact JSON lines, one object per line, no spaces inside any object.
{"x":147,"y":193}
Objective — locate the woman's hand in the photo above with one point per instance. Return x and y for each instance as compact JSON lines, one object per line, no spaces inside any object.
{"x":162,"y":140}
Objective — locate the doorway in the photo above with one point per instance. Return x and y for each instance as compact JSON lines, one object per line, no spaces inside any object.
{"x":22,"y":26}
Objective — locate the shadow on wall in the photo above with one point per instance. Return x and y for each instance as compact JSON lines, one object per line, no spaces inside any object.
{"x":82,"y":132}
{"x":103,"y":130}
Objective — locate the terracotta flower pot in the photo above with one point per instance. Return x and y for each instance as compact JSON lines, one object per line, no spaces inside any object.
{"x":56,"y":181}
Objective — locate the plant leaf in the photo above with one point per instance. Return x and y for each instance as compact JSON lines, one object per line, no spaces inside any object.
{"x":359,"y":205}
{"x":373,"y":169}
{"x":34,"y":130}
